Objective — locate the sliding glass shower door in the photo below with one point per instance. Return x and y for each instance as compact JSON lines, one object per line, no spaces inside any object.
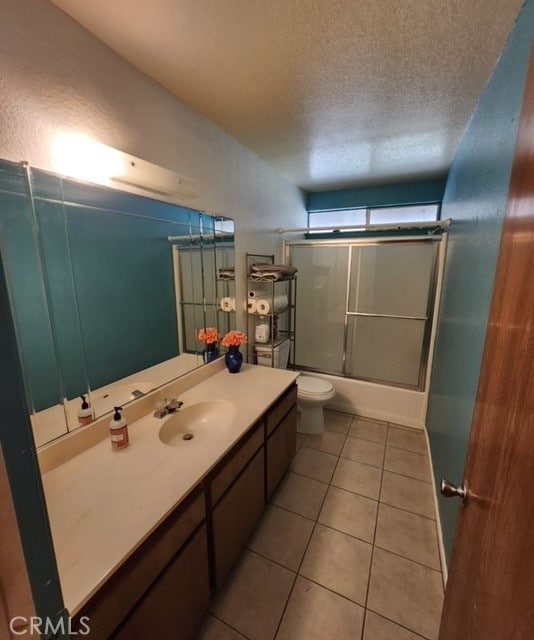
{"x":364,"y":309}
{"x":321,"y":301}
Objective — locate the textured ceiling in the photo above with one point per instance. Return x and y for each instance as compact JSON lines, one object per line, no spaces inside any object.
{"x":330,"y":92}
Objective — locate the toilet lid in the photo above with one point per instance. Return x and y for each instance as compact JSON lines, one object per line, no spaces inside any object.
{"x":313,"y":386}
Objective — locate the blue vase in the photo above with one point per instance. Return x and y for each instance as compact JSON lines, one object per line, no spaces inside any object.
{"x":210,"y":352}
{"x":233,"y":359}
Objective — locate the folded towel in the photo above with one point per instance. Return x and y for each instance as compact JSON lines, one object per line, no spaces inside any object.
{"x":271,"y":276}
{"x":226,"y":273}
{"x":286,"y":269}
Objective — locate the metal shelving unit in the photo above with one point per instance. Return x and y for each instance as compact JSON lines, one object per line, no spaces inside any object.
{"x":281,"y":320}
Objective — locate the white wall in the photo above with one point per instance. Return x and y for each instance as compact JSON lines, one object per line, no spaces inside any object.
{"x":57,"y":77}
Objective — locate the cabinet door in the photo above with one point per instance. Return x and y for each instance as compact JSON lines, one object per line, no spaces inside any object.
{"x":281,"y":447}
{"x":236,"y":515}
{"x":175,"y":605}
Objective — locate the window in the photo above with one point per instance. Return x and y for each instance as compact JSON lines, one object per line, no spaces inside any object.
{"x":331,"y":220}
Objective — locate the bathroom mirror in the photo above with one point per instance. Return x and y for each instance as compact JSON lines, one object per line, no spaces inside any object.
{"x":94,"y":289}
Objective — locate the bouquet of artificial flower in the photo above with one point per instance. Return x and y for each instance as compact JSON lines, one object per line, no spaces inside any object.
{"x":209,"y":335}
{"x":234,"y":339}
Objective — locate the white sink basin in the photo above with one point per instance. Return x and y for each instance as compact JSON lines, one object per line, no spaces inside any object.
{"x":198,"y":423}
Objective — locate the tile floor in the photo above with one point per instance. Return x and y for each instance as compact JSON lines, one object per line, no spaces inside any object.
{"x":347,"y":549}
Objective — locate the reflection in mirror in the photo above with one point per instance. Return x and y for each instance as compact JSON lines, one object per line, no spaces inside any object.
{"x":211,"y":245}
{"x":95,"y":266}
{"x":21,"y":250}
{"x":225,"y":273}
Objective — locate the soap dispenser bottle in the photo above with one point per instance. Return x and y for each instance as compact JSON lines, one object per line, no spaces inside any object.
{"x":118,"y":430}
{"x":85,"y":413}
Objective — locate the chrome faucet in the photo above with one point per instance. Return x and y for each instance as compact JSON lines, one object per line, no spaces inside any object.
{"x":164,"y":407}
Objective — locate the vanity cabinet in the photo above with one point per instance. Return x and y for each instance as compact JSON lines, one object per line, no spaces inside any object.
{"x":236,"y":515}
{"x":236,"y":500}
{"x":280,"y":446}
{"x":161,"y":564}
{"x":175,"y":605}
{"x":163,"y":589}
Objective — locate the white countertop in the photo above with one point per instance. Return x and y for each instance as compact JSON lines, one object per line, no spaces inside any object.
{"x":102,"y":504}
{"x":49,"y":423}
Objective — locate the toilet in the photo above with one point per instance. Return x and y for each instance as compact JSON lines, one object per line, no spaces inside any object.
{"x":312,"y":393}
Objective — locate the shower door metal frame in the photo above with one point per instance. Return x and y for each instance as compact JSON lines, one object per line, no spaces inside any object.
{"x":351,"y":244}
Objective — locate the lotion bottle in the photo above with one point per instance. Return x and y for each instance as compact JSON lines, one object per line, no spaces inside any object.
{"x":118,"y":430}
{"x":85,"y":413}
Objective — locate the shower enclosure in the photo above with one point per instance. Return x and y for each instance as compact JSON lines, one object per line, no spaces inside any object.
{"x":364,"y":308}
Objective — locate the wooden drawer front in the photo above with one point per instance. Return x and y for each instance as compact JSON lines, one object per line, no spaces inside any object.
{"x":235,"y":462}
{"x":236,"y":515}
{"x":175,"y":606}
{"x":281,"y":447}
{"x":127,"y":585}
{"x":279,"y":410}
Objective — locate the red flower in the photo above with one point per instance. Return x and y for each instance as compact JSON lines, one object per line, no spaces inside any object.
{"x":234,"y":339}
{"x":209,"y":335}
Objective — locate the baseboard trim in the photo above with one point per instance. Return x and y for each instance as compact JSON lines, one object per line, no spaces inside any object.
{"x":438,"y":518}
{"x":374,"y":414}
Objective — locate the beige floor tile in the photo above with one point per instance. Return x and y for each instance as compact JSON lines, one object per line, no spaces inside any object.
{"x":338,"y":562}
{"x":214,"y":629}
{"x":350,"y":513}
{"x":300,"y":494}
{"x":300,"y":439}
{"x":406,"y":592}
{"x":282,"y":536}
{"x":378,"y":628}
{"x":407,"y":463}
{"x":357,"y":477}
{"x":314,"y":464}
{"x":329,"y":442}
{"x":254,"y":598}
{"x":314,"y":613}
{"x":409,"y":439}
{"x":363,"y":451}
{"x":406,"y":493}
{"x":407,"y":534}
{"x":337,"y":421}
{"x":369,"y":430}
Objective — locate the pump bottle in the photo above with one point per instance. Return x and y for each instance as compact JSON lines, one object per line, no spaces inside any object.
{"x":118,"y":430}
{"x":85,"y":413}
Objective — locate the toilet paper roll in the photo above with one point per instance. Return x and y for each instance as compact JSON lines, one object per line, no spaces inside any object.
{"x":226,"y":304}
{"x":265,"y":306}
{"x":232,"y":304}
{"x":256,"y":294}
{"x":252,"y":305}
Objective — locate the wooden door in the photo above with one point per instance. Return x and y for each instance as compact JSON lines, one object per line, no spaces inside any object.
{"x":490,"y":591}
{"x":16,"y":604}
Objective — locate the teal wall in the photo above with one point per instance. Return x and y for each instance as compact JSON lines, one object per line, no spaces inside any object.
{"x":475,"y":199}
{"x":104,"y":303}
{"x":384,"y":195}
{"x":18,"y":450}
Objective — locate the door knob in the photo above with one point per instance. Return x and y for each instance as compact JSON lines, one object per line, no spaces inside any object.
{"x":450,"y":490}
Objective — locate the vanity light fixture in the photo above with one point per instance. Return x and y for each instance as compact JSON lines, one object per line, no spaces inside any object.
{"x":79,"y":156}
